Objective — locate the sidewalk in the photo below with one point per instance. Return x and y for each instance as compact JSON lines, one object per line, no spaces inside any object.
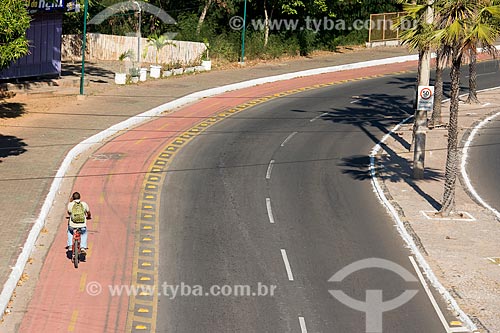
{"x":36,"y":135}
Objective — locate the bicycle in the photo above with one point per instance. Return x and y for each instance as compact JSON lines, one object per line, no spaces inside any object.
{"x":76,"y":250}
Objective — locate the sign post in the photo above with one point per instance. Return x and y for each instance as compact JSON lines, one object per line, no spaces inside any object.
{"x":425,"y":102}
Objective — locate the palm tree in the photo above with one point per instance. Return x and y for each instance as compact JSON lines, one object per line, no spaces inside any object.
{"x":487,"y":19}
{"x":463,"y":25}
{"x":159,"y":42}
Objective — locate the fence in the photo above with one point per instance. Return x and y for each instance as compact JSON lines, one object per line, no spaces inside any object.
{"x":109,"y":47}
{"x":381,"y":27}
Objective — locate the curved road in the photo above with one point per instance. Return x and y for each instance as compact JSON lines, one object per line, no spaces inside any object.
{"x":230,"y":216}
{"x":483,"y":162}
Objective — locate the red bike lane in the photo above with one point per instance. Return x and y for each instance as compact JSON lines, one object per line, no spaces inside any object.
{"x":79,"y":300}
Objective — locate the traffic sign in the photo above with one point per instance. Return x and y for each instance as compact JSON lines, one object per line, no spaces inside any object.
{"x":425,"y":100}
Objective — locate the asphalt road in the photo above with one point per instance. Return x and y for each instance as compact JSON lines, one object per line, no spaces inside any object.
{"x":483,"y":162}
{"x":229,"y":218}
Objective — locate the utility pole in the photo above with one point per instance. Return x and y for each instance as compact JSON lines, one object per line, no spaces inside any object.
{"x":139,"y":34}
{"x":421,"y":115}
{"x":84,"y":44}
{"x":242,"y":60}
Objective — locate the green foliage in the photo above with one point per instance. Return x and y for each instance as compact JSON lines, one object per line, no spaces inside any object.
{"x":159,"y":42}
{"x":14,"y":21}
{"x":225,"y":43}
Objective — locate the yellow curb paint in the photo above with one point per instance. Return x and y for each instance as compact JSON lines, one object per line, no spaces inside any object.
{"x":154,"y":168}
{"x":72,"y":322}
{"x":455,"y":323}
{"x":83,"y":282}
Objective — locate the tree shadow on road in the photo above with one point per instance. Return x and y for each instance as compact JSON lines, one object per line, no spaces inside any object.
{"x":376,"y":115}
{"x":11,"y":146}
{"x":11,"y":110}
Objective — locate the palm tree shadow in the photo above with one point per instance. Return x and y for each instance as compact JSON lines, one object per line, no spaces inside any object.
{"x":389,"y":167}
{"x":374,"y":114}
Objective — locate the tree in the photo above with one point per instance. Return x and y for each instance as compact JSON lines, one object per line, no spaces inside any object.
{"x":436,"y":118}
{"x":463,"y":25}
{"x":488,"y":20}
{"x":14,"y":21}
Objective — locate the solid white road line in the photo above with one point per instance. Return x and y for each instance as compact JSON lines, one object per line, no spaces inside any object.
{"x":288,"y":138}
{"x":302,"y":323}
{"x":287,"y":265}
{"x":429,"y":294}
{"x":269,"y":210}
{"x":317,"y":117}
{"x":269,"y":169}
{"x":465,"y":155}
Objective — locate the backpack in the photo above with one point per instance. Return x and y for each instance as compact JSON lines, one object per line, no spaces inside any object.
{"x":78,"y":213}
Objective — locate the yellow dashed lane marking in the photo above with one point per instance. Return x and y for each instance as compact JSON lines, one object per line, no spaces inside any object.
{"x":145,"y":278}
{"x":140,"y":140}
{"x":143,"y":310}
{"x":83,"y":282}
{"x":141,"y":327}
{"x":72,"y":322}
{"x":162,"y":127}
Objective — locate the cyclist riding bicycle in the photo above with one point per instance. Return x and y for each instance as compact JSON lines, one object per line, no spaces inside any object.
{"x":79,"y":213}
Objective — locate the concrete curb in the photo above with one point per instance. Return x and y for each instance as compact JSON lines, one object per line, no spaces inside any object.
{"x":407,"y":237}
{"x":29,"y":244}
{"x":400,"y":219}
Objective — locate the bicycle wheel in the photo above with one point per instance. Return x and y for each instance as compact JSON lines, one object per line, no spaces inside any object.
{"x":76,"y":253}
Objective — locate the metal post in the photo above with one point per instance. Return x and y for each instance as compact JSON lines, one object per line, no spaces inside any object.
{"x":243,"y":32}
{"x":139,"y":35}
{"x":421,"y":115}
{"x":84,"y":44}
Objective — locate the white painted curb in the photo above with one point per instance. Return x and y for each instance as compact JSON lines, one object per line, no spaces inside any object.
{"x":407,"y":237}
{"x":17,"y":270}
{"x":465,"y":155}
{"x":400,"y":226}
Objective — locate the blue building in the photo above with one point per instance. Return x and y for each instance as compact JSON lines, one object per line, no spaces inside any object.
{"x":44,"y":35}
